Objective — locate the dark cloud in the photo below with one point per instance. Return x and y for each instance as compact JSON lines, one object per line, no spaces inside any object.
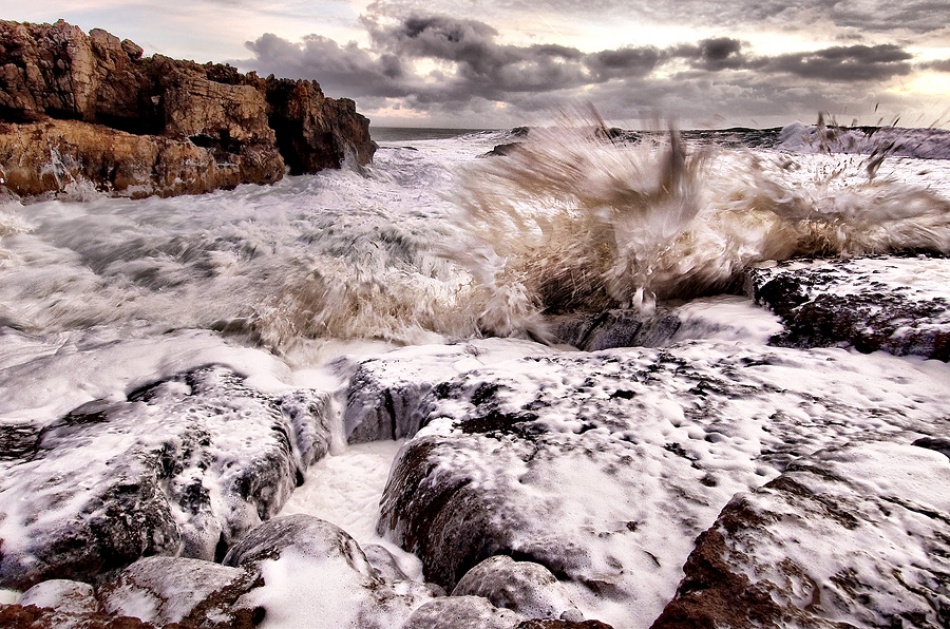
{"x":880,"y":16}
{"x":470,"y":72}
{"x":720,"y":53}
{"x":844,"y":63}
{"x":623,"y":63}
{"x":348,"y":70}
{"x":939,"y":66}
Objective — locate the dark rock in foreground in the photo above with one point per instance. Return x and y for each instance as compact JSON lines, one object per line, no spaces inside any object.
{"x":603,"y":468}
{"x":88,"y":110}
{"x":895,"y":305}
{"x":186,"y":466}
{"x":851,"y":537}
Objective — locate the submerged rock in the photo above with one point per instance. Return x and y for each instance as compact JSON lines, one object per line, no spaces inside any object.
{"x":186,"y":466}
{"x":88,"y":110}
{"x":896,"y":305}
{"x":857,"y":536}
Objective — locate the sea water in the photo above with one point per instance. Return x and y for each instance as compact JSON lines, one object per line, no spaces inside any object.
{"x":434,"y":242}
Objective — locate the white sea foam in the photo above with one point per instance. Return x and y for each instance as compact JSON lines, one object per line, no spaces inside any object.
{"x":574,"y":220}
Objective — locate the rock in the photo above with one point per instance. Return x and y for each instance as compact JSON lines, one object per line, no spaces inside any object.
{"x":604,"y":467}
{"x":615,"y":328}
{"x":315,"y":132}
{"x":31,"y":617}
{"x":521,"y":586}
{"x":307,"y":536}
{"x":857,"y":536}
{"x":186,"y":466}
{"x":63,"y":595}
{"x":166,"y":590}
{"x":890,"y":304}
{"x":67,"y":156}
{"x":135,"y":126}
{"x":462,"y":612}
{"x":384,"y":393}
{"x":313,"y":569}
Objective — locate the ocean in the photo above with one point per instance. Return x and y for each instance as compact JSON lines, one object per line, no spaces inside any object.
{"x":435,"y":243}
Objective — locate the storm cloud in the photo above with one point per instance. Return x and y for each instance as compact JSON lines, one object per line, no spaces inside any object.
{"x":438,"y":65}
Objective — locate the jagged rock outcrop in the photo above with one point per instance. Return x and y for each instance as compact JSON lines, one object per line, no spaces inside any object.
{"x":78,"y":109}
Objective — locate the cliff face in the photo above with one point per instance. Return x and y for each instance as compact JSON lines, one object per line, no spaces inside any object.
{"x":78,"y":108}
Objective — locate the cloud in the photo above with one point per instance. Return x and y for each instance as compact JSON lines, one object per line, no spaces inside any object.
{"x":844,"y":63}
{"x":347,"y":70}
{"x":442,"y":66}
{"x":942,"y":65}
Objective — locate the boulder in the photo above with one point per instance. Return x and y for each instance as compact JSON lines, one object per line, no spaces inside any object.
{"x":892,"y":304}
{"x":313,"y":569}
{"x":857,"y":536}
{"x":521,"y":586}
{"x":604,"y":467}
{"x":63,"y":595}
{"x":185,"y":466}
{"x":195,"y":593}
{"x":100,"y":114}
{"x":462,"y":612}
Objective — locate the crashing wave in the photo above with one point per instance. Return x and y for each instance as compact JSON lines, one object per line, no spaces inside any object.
{"x":573,"y":220}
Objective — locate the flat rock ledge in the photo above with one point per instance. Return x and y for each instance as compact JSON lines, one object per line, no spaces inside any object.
{"x":81,"y":112}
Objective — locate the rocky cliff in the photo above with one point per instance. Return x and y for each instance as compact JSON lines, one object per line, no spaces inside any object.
{"x":81,"y":110}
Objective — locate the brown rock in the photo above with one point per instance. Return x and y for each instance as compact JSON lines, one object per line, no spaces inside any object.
{"x":59,"y":156}
{"x":201,"y":127}
{"x":315,"y":132}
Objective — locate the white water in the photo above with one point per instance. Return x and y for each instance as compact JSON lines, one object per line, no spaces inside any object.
{"x":99,"y":296}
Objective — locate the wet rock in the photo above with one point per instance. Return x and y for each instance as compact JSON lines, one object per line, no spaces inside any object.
{"x":615,"y":328}
{"x":165,"y":590}
{"x":521,"y":586}
{"x":103,"y":116}
{"x":32,"y":617}
{"x":462,"y":612}
{"x":306,"y":535}
{"x":65,"y":596}
{"x":604,"y":467}
{"x":70,"y":156}
{"x":313,"y":569}
{"x":896,"y":305}
{"x":384,"y":394}
{"x":855,"y":536}
{"x":186,"y":466}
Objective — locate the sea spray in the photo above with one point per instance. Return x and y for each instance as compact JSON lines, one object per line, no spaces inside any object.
{"x":575,"y":219}
{"x":432,"y":243}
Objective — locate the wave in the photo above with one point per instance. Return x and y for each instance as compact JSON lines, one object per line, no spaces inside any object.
{"x":573,"y":220}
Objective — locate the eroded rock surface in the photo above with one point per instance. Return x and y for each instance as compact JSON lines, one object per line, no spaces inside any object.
{"x":186,"y":466}
{"x":857,"y":536}
{"x":89,"y":110}
{"x":897,"y":305}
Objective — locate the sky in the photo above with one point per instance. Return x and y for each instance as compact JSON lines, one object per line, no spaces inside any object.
{"x":505,"y":63}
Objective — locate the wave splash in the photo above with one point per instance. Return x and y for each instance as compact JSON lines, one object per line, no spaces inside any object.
{"x":573,"y":219}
